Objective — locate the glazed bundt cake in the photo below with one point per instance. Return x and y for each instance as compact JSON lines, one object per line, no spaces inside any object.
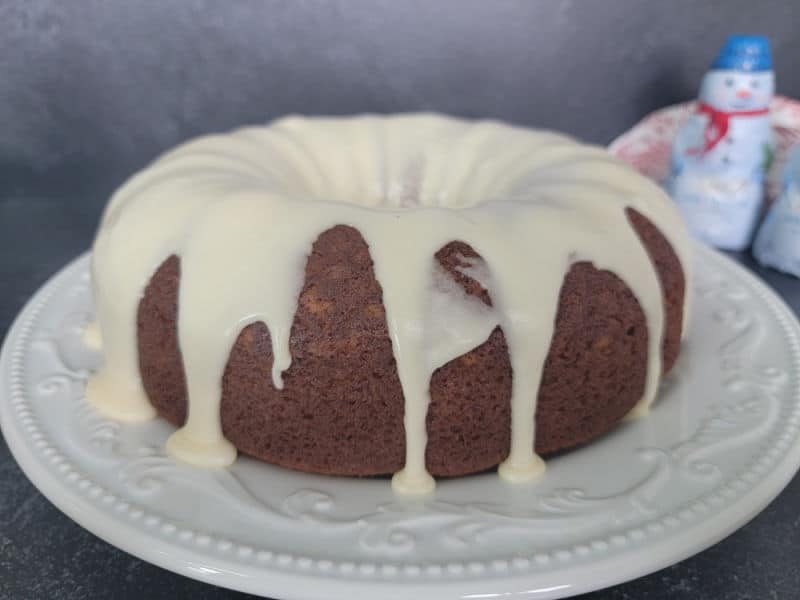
{"x":413,"y":295}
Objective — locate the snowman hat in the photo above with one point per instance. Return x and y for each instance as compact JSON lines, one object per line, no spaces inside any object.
{"x":744,"y":53}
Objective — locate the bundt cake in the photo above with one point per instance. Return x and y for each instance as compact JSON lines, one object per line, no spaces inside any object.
{"x":413,"y":295}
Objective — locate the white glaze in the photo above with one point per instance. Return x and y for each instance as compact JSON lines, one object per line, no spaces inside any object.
{"x":526,"y":201}
{"x":91,"y":336}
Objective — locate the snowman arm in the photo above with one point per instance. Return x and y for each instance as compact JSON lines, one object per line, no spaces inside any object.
{"x":677,"y":163}
{"x":690,"y":140}
{"x":769,"y":156}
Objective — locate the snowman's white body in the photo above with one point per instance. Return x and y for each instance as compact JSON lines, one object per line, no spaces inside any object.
{"x":739,"y":151}
{"x":719,"y":189}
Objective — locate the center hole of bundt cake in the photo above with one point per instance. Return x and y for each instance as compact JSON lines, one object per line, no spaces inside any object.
{"x":405,"y":189}
{"x":402,"y":196}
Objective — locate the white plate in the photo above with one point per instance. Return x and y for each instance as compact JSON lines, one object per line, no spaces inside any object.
{"x":721,"y":442}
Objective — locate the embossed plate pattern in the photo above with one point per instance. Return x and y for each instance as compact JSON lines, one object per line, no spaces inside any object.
{"x":721,"y":442}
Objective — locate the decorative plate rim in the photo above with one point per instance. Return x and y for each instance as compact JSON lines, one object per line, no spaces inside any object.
{"x":302,"y":577}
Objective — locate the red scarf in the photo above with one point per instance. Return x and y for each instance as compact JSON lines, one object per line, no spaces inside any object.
{"x":719,"y":123}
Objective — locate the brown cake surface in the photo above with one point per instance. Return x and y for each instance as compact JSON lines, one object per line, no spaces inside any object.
{"x":341,"y":408}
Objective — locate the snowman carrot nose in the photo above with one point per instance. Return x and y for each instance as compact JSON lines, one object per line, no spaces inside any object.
{"x":743,"y":94}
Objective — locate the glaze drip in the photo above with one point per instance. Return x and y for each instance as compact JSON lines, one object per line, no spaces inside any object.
{"x":243,"y":210}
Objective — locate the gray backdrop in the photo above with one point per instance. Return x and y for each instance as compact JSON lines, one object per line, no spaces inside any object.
{"x":91,"y":90}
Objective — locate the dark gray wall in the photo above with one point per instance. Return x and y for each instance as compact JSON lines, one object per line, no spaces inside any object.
{"x":91,"y":90}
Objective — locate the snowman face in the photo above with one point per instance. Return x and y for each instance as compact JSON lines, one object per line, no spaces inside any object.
{"x":737,"y":90}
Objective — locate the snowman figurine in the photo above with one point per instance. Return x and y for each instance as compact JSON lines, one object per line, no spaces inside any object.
{"x":720,"y":156}
{"x":777,"y":243}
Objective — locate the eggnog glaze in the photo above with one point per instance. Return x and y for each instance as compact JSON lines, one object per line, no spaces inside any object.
{"x":242,"y":211}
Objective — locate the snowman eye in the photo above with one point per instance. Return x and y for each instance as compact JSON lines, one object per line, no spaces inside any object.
{"x":729,"y":81}
{"x":754,"y":84}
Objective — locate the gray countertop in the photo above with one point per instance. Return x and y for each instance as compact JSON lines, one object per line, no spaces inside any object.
{"x":43,"y":554}
{"x":92,"y":90}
